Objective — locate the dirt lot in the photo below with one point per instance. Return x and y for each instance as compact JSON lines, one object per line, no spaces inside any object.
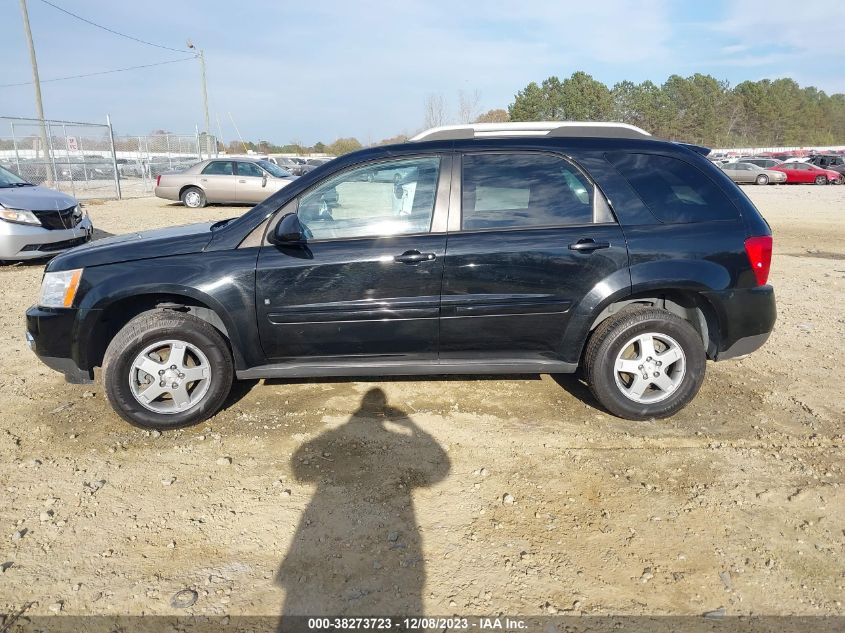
{"x":471,"y":496}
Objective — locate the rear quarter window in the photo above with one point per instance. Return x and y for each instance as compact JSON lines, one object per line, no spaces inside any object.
{"x":675,"y":191}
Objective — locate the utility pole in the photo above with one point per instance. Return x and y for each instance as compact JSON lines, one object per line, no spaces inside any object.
{"x":201,"y":56}
{"x":39,"y":106}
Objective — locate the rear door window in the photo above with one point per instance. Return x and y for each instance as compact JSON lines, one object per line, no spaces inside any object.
{"x":675,"y":191}
{"x":218,"y":168}
{"x":513,"y":190}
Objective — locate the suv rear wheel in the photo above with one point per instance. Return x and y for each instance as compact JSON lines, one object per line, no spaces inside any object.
{"x":645,"y":363}
{"x":167,"y":369}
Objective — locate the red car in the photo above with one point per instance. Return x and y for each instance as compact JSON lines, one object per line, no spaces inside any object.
{"x":805,"y":172}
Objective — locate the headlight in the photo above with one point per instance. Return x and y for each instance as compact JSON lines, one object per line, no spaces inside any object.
{"x":79,"y":213}
{"x":58,"y":290}
{"x":18,"y":216}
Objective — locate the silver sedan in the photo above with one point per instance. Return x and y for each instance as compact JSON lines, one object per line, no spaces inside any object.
{"x":37,"y":222}
{"x":751,"y":173}
{"x":225,"y":180}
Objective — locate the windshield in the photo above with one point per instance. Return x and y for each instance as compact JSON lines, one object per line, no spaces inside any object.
{"x":8,"y":179}
{"x":274,"y":170}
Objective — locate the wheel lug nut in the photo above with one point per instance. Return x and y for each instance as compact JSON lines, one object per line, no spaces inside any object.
{"x":161,"y":384}
{"x":161,"y":372}
{"x":181,"y":375}
{"x":174,"y":366}
{"x":175,"y":385}
{"x":640,"y":367}
{"x":659,"y":363}
{"x":656,"y":374}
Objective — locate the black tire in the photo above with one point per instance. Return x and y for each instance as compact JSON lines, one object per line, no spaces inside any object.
{"x":188,"y":197}
{"x":606,"y":344}
{"x":161,"y":325}
{"x":821,"y":180}
{"x":762,"y":179}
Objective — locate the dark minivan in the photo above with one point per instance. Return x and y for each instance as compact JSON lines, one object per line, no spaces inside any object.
{"x":489,"y":248}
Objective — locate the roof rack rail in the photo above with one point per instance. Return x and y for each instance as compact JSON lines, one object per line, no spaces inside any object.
{"x":532,"y":129}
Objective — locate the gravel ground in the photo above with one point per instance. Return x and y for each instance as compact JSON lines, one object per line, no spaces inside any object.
{"x":437,"y":496}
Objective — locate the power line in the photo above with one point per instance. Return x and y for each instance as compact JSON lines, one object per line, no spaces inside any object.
{"x":112,"y":31}
{"x":102,"y":72}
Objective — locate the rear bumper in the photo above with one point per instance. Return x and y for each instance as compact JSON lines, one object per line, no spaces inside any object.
{"x":50,"y":335}
{"x":744,"y":346}
{"x":746,"y":319}
{"x":167,"y":193}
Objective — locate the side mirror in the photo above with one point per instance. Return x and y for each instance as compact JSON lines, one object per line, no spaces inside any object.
{"x":264,"y":180}
{"x":288,"y":232}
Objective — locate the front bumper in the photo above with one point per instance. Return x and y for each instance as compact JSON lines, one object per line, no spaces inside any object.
{"x":50,"y":335}
{"x":22,"y":242}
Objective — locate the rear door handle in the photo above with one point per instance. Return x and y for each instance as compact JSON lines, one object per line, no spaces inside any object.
{"x":414,"y":257}
{"x":242,"y":181}
{"x":588,"y":245}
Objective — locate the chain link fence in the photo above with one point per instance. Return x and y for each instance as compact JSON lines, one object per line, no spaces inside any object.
{"x":140,"y":159}
{"x":86,"y":160}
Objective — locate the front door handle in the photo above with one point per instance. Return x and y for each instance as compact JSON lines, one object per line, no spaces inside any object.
{"x":414,"y":257}
{"x":242,"y":181}
{"x":588,"y":245}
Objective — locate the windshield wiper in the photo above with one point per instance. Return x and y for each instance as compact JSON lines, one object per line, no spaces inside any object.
{"x":20,"y":184}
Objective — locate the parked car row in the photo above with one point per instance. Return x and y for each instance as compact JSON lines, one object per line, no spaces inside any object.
{"x":37,"y":170}
{"x":298,"y":166}
{"x":762,"y":171}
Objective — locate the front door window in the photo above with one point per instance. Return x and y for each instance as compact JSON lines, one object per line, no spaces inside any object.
{"x":377,"y":200}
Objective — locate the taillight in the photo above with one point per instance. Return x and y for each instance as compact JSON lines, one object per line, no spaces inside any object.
{"x":759,"y":251}
{"x":158,"y":180}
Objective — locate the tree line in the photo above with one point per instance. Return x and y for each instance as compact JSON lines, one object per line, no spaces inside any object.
{"x":698,"y":109}
{"x":338,"y":147}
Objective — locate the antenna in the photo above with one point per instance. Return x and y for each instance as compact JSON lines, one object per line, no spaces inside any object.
{"x":235,"y":125}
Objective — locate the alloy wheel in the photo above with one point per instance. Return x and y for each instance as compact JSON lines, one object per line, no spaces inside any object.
{"x":650,"y":367}
{"x":170,"y":376}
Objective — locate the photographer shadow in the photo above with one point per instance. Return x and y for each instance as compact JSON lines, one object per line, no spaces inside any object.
{"x":357,"y":549}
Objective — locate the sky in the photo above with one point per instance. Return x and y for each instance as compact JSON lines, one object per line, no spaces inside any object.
{"x":311,"y":71}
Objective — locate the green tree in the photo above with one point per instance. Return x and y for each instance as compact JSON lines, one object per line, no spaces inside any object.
{"x":528,"y":104}
{"x":393,"y":140}
{"x":583,"y":98}
{"x":343,"y":146}
{"x":494,"y":116}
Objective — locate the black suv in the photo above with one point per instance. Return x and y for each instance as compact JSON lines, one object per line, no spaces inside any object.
{"x":486,"y":249}
{"x":835,"y":162}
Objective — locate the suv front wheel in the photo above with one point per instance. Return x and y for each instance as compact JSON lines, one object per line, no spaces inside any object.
{"x":167,"y":369}
{"x":645,"y":363}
